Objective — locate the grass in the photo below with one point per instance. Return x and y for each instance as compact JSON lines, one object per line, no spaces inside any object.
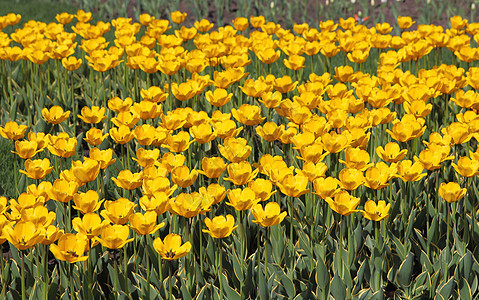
{"x":39,"y":10}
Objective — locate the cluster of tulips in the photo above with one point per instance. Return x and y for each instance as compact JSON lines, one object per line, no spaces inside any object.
{"x":181,"y":124}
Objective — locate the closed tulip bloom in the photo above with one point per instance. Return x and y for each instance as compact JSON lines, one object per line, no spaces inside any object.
{"x":391,"y":153}
{"x":333,"y":142}
{"x":147,"y":110}
{"x":37,"y":169}
{"x":87,"y":202}
{"x":62,"y":145}
{"x":405,"y":22}
{"x":55,"y":115}
{"x":13,"y":131}
{"x":128,"y":180}
{"x":409,"y":171}
{"x":247,"y":114}
{"x":356,"y":159}
{"x":71,"y":248}
{"x":115,"y":236}
{"x":179,"y":142}
{"x":215,"y":191}
{"x":52,"y":233}
{"x":270,"y":131}
{"x":71,"y":63}
{"x":240,"y":173}
{"x":212,"y":167}
{"x":293,"y":185}
{"x":269,"y":216}
{"x":85,"y":171}
{"x":235,"y":149}
{"x":118,"y":105}
{"x":26,"y":149}
{"x":170,"y":248}
{"x":24,"y":234}
{"x":146,"y":157}
{"x":376,"y":212}
{"x":63,"y":190}
{"x":145,"y":223}
{"x":378,"y":176}
{"x":343,"y":203}
{"x":262,"y":188}
{"x":203,"y":133}
{"x":118,"y":211}
{"x":121,"y":135}
{"x":466,"y":167}
{"x":218,"y":97}
{"x":351,"y":179}
{"x":92,"y":115}
{"x":190,"y":205}
{"x":220,"y":227}
{"x":158,"y":202}
{"x":240,"y":23}
{"x":459,"y":132}
{"x":431,"y":160}
{"x":242,"y":199}
{"x":95,"y":136}
{"x":451,"y":192}
{"x":90,"y":226}
{"x":325,"y":187}
{"x":158,"y":184}
{"x":183,"y":177}
{"x":103,"y":157}
{"x":178,"y":17}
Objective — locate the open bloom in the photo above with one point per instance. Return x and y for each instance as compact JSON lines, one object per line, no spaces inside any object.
{"x":293,"y":185}
{"x":55,"y":115}
{"x":240,"y":173}
{"x":220,"y":227}
{"x":26,"y":149}
{"x":37,"y":169}
{"x":145,"y":223}
{"x":343,"y":203}
{"x":13,"y":131}
{"x":24,"y":235}
{"x":128,"y":180}
{"x":87,"y":202}
{"x":242,"y":199}
{"x":115,"y":236}
{"x":92,"y":115}
{"x":118,"y":211}
{"x":90,"y":225}
{"x":269,"y":216}
{"x":376,"y":212}
{"x":170,"y":248}
{"x":71,"y":248}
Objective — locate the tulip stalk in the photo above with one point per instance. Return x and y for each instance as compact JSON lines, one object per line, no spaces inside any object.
{"x":24,"y":291}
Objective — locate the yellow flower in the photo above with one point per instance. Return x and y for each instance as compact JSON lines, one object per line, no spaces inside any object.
{"x":158,"y":202}
{"x":190,"y":205}
{"x":258,"y":21}
{"x":39,"y":215}
{"x":240,"y":23}
{"x":218,"y":97}
{"x":240,"y":173}
{"x":405,"y":22}
{"x":154,"y":94}
{"x":212,"y":167}
{"x":94,"y":136}
{"x":118,"y":211}
{"x":92,"y":115}
{"x":183,"y":177}
{"x":451,"y":192}
{"x":269,"y":216}
{"x":145,"y":223}
{"x":391,"y":153}
{"x":293,"y":185}
{"x":376,"y":212}
{"x":103,"y":157}
{"x":115,"y":236}
{"x":343,"y":203}
{"x":333,"y":142}
{"x":52,"y":233}
{"x":215,"y":191}
{"x":55,"y":115}
{"x":147,"y":158}
{"x":325,"y":187}
{"x":121,"y":135}
{"x":85,"y":171}
{"x":235,"y":149}
{"x":170,"y":248}
{"x":248,"y":114}
{"x":62,"y":145}
{"x":178,"y":17}
{"x":459,"y":132}
{"x":431,"y":159}
{"x":64,"y":18}
{"x":24,"y":235}
{"x":63,"y":190}
{"x":87,"y":202}
{"x":128,"y":180}
{"x":26,"y":149}
{"x":377,"y":177}
{"x":294,"y":62}
{"x":203,"y":133}
{"x":179,"y":142}
{"x":466,"y":167}
{"x":262,"y":188}
{"x":270,"y":131}
{"x":71,"y":63}
{"x":90,"y":225}
{"x":37,"y":169}
{"x":71,"y":248}
{"x":147,"y":109}
{"x":284,"y":84}
{"x":13,"y":131}
{"x":118,"y":105}
{"x":242,"y":199}
{"x":351,"y":179}
{"x":409,"y":171}
{"x":356,"y":159}
{"x":220,"y":227}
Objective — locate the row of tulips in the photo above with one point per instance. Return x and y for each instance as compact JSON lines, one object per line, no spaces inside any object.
{"x":172,"y":125}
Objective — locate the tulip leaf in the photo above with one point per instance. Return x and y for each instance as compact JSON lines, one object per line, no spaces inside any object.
{"x":185,"y":293}
{"x":458,"y":244}
{"x":238,"y":271}
{"x":322,"y":273}
{"x":262,"y":288}
{"x":446,"y":289}
{"x":230,"y":293}
{"x":464,"y":289}
{"x":338,"y":288}
{"x":424,"y":260}
{"x":404,"y":274}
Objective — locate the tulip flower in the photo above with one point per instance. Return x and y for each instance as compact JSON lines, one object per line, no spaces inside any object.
{"x":220,"y":227}
{"x":190,"y":205}
{"x":170,"y":248}
{"x":178,"y":17}
{"x":247,"y":114}
{"x":103,"y":157}
{"x":212,"y":167}
{"x":235,"y":149}
{"x":24,"y":234}
{"x":37,"y":169}
{"x":242,"y":199}
{"x":144,"y":223}
{"x":451,"y":192}
{"x":326,"y":187}
{"x":55,"y":115}
{"x":71,"y":248}
{"x":95,"y":136}
{"x":92,"y":115}
{"x":218,"y":97}
{"x":118,"y":211}
{"x":26,"y":149}
{"x":158,"y":202}
{"x":63,"y":190}
{"x":376,"y":212}
{"x":128,"y":180}
{"x":13,"y":131}
{"x":391,"y":153}
{"x":262,"y":188}
{"x":52,"y":233}
{"x":85,"y":171}
{"x":269,"y":216}
{"x":240,"y":173}
{"x":87,"y":202}
{"x":183,"y":177}
{"x":343,"y":203}
{"x":90,"y":225}
{"x":293,"y":185}
{"x":214,"y":191}
{"x":409,"y":171}
{"x":114,"y":236}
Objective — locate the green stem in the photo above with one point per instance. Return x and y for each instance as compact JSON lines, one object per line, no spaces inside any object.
{"x":447,"y":242}
{"x":220,"y":269}
{"x":115,"y":283}
{"x":46,"y":280}
{"x":170,"y":285}
{"x":24,"y":292}
{"x":70,"y":280}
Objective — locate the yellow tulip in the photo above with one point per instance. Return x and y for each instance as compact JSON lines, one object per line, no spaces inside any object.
{"x":71,"y":248}
{"x":451,"y":192}
{"x":55,"y":114}
{"x":343,"y":203}
{"x":114,"y":236}
{"x":170,"y":248}
{"x":269,"y":216}
{"x":376,"y":212}
{"x":220,"y":227}
{"x":145,"y":223}
{"x":24,"y":234}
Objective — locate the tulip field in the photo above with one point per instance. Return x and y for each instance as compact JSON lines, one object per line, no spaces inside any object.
{"x":152,"y":160}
